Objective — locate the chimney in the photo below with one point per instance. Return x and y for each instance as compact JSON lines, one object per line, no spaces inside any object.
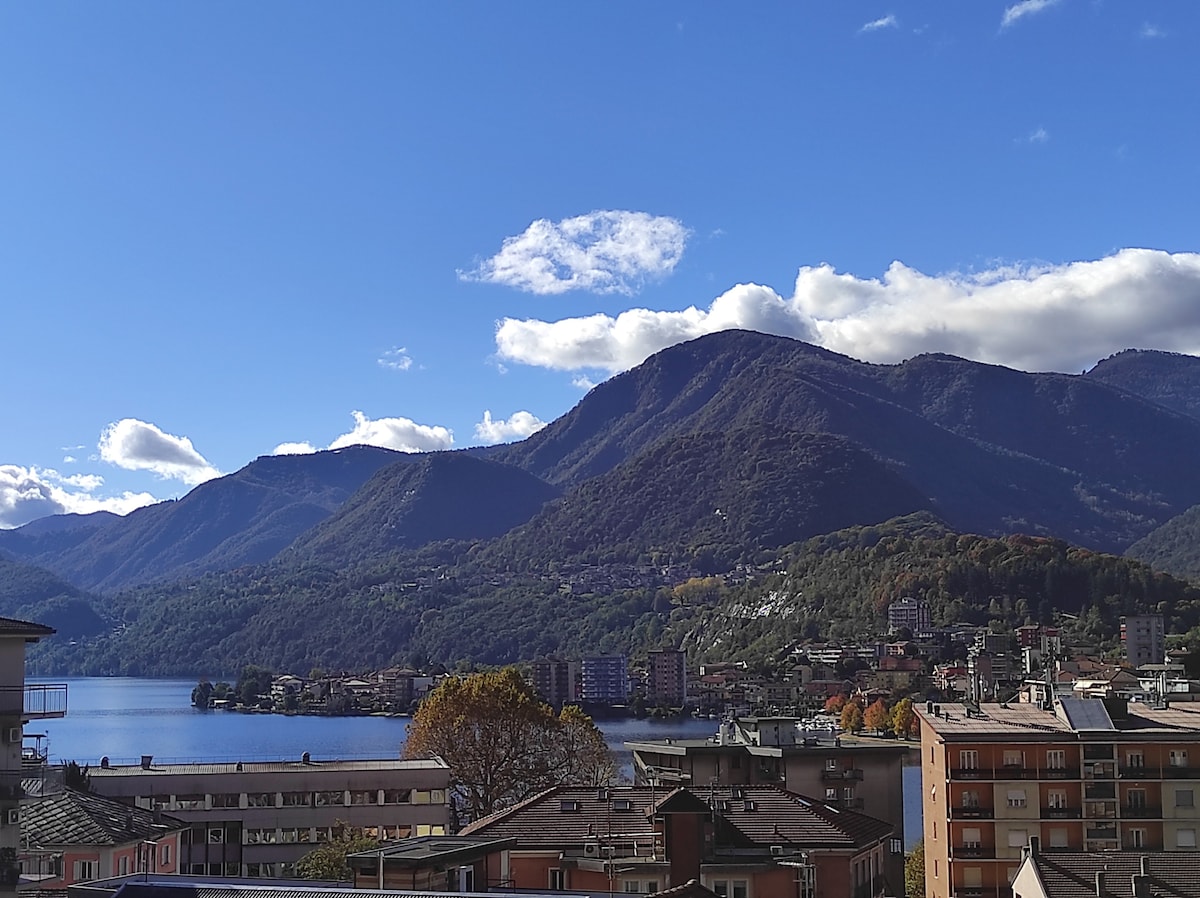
{"x":1099,"y":884}
{"x":1145,"y":865}
{"x":1035,"y":844}
{"x":1139,"y":884}
{"x":147,"y":760}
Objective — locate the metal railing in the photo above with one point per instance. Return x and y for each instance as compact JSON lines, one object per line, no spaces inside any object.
{"x":34,"y":701}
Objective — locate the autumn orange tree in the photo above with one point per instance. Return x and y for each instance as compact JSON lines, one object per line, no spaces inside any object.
{"x":503,"y":743}
{"x":834,"y":704}
{"x":852,"y":717}
{"x":877,"y":716}
{"x":904,"y":719}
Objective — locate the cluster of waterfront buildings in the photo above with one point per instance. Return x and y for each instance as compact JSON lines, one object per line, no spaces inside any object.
{"x":1053,"y":792}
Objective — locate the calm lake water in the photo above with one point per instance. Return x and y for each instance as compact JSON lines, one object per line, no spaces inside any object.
{"x":125,"y":718}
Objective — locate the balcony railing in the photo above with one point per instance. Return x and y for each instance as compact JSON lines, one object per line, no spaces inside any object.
{"x":34,"y":701}
{"x":1181,"y":773}
{"x":1140,"y":772}
{"x":841,"y":775}
{"x":1014,"y":773}
{"x":1061,"y":813}
{"x":1141,"y":812}
{"x":959,"y":813}
{"x":1060,"y":773}
{"x":969,"y":773}
{"x":972,"y":851}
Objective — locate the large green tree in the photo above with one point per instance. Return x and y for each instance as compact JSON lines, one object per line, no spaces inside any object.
{"x":502,"y":743}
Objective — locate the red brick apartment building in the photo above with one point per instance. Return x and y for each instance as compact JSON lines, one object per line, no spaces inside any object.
{"x":1086,"y":775}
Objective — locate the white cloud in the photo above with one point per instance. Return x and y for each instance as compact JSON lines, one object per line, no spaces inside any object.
{"x":615,"y":344}
{"x":1038,"y":135}
{"x":27,"y":494}
{"x":396,"y":359}
{"x":582,"y":382}
{"x":69,"y":459}
{"x":140,"y":446}
{"x":400,"y":434}
{"x":1024,"y":8}
{"x":1052,"y":317}
{"x":302,"y":448}
{"x":1149,"y":32}
{"x":888,"y":21}
{"x":603,"y":251}
{"x":517,"y":427}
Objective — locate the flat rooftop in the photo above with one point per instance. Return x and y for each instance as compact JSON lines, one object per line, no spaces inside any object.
{"x":1069,"y":717}
{"x":113,"y":770}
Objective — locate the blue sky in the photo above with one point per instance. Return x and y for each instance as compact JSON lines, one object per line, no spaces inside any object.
{"x":230,"y":229}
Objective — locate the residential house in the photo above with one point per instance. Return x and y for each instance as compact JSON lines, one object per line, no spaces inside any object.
{"x":73,"y":836}
{"x":1075,"y":874}
{"x":737,"y":841}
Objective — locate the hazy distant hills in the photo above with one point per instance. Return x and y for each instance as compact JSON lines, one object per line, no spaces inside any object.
{"x":1169,"y":379}
{"x":243,"y":518}
{"x":718,"y":497}
{"x":993,"y":450}
{"x":718,"y":451}
{"x":437,"y":496}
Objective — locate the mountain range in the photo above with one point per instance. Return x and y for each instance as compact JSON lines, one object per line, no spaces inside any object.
{"x":712,"y":453}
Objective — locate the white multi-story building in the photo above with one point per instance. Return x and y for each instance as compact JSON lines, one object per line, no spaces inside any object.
{"x":259,"y":818}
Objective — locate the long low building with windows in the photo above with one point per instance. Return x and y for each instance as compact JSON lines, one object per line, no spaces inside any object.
{"x":258,"y":818}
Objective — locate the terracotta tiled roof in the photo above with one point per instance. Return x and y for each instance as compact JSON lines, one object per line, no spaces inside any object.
{"x":758,"y":815}
{"x":85,"y":818}
{"x":1073,"y":874}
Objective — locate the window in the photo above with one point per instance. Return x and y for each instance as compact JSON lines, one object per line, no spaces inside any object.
{"x":431,"y":796}
{"x":329,"y":799}
{"x":1013,"y":758}
{"x":831,"y":764}
{"x":1018,"y":838}
{"x":216,"y":836}
{"x":1056,"y":798}
{"x":968,"y":760}
{"x":189,"y":802}
{"x":1017,"y":798}
{"x":260,"y":800}
{"x":1178,"y":757}
{"x":164,"y":854}
{"x":972,"y":877}
{"x":970,"y":799}
{"x":897,"y":846}
{"x":1056,"y":759}
{"x":1136,"y":798}
{"x":972,"y":837}
{"x":1184,"y":798}
{"x":831,"y":794}
{"x":85,"y":870}
{"x":227,"y":800}
{"x":297,"y":799}
{"x":646,"y":886}
{"x":935,"y":830}
{"x":1137,"y":838}
{"x":1058,"y":838}
{"x":397,"y":796}
{"x":730,"y":888}
{"x":1135,"y":759}
{"x":557,"y":880}
{"x":1185,"y":838}
{"x":123,"y":866}
{"x":364,"y":796}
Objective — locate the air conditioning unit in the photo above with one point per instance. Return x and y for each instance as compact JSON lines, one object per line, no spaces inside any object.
{"x":15,"y":735}
{"x":777,"y":851}
{"x":591,"y":849}
{"x":14,"y":816}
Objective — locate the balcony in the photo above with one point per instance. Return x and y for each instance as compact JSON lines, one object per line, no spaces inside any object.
{"x":1142,"y":812}
{"x":850,"y":804}
{"x":1060,"y":773}
{"x":958,"y":813}
{"x":34,"y":701}
{"x":1181,"y":773}
{"x":969,"y":773}
{"x":972,"y":852}
{"x":839,"y":776}
{"x":1140,"y":772}
{"x":1100,"y":791}
{"x":1061,"y":813}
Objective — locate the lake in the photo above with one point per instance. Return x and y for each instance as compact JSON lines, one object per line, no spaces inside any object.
{"x":124,"y":718}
